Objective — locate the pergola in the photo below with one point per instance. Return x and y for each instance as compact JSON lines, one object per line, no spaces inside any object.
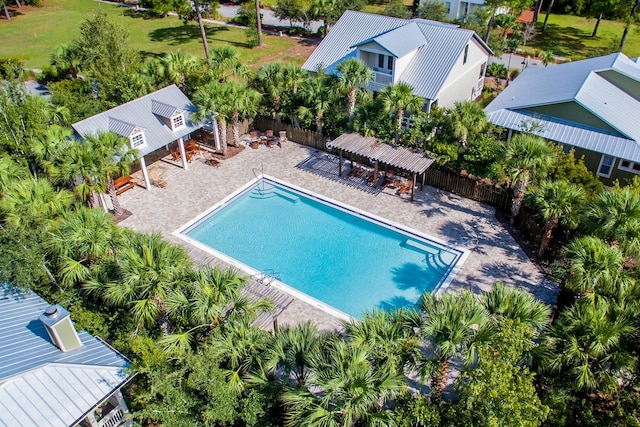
{"x":372,"y":148}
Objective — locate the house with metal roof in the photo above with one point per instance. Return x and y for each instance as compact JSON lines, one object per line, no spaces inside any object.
{"x":153,"y":121}
{"x":591,"y":106}
{"x":52,"y":375}
{"x":458,"y":9}
{"x":441,"y":62}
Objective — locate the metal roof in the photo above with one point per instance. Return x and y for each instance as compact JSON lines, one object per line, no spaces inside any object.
{"x":428,"y":69}
{"x":580,"y":83}
{"x":162,"y":109}
{"x":373,"y":148}
{"x":121,"y":127}
{"x":569,"y":133}
{"x":399,"y":41}
{"x":139,"y":113}
{"x":39,"y":384}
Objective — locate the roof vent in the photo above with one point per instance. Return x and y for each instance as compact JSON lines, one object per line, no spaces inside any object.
{"x":57,"y":322}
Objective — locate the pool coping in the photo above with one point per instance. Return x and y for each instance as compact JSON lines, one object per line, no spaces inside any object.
{"x":449,"y":275}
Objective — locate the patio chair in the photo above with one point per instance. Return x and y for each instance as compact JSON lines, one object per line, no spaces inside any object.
{"x":210,"y":160}
{"x":156,"y":179}
{"x":192,"y":148}
{"x":405,"y":188}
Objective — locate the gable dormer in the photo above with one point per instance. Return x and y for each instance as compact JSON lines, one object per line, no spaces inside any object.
{"x":389,"y":53}
{"x":134,"y":133}
{"x":170,"y":115}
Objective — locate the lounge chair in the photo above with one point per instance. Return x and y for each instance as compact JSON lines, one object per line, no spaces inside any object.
{"x":210,"y":160}
{"x":356,"y":170}
{"x":156,"y":179}
{"x":405,"y":188}
{"x":388,"y":179}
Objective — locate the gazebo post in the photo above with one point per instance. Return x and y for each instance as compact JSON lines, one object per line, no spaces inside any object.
{"x":183,"y":154}
{"x":375,"y":173}
{"x":145,"y":174}
{"x":216,"y":133}
{"x":340,"y":164}
{"x":413,"y":185}
{"x":422,"y":182}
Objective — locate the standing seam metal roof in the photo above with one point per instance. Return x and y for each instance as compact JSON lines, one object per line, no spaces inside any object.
{"x":428,"y":69}
{"x":139,"y":113}
{"x":373,"y":148}
{"x":579,"y":82}
{"x":41,"y":385}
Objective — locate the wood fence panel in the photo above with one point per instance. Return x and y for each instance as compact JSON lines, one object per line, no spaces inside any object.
{"x":301,"y":136}
{"x":469,"y":187}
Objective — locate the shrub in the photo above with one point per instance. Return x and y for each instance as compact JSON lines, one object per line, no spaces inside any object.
{"x":297,"y":31}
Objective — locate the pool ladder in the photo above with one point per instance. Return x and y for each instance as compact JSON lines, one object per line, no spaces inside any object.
{"x":265,"y":277}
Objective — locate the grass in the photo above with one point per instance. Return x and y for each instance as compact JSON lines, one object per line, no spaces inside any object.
{"x":570,"y":36}
{"x":39,"y":31}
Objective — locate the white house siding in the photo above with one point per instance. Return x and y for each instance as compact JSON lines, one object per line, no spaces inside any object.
{"x":464,"y":77}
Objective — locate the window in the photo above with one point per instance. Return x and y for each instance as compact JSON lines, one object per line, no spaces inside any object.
{"x":177,"y":121}
{"x":390,"y":62}
{"x":137,"y":139}
{"x":483,"y":68}
{"x":629,"y":166}
{"x":466,"y":54}
{"x":380,"y":61}
{"x":448,"y":6}
{"x":606,"y":165}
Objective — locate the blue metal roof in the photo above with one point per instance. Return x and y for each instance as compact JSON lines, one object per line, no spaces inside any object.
{"x":581,"y":83}
{"x":437,"y":47}
{"x":140,"y":114}
{"x":399,"y":41}
{"x":41,"y":385}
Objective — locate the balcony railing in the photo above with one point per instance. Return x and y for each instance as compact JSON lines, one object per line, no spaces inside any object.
{"x":382,"y":78}
{"x":114,"y":418}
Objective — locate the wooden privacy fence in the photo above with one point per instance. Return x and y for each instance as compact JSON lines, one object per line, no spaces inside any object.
{"x":468,"y":187}
{"x":301,"y":136}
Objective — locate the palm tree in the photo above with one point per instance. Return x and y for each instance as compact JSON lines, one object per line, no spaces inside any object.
{"x":467,"y":117}
{"x":294,"y":75}
{"x":148,"y":270}
{"x":66,"y":59}
{"x":615,"y":216}
{"x":452,"y":324}
{"x":212,"y":102}
{"x":226,"y":63}
{"x":82,"y":239}
{"x":398,"y":99}
{"x":590,"y":266}
{"x":203,"y":34}
{"x":243,"y":349}
{"x":353,"y":74}
{"x":354,"y":392}
{"x":177,"y":66}
{"x":526,"y":157}
{"x":558,"y":202}
{"x":243,"y":102}
{"x":114,"y":157}
{"x":33,"y":203}
{"x":207,"y":299}
{"x":317,"y":98}
{"x":504,"y":302}
{"x":390,"y":337}
{"x":586,"y":344}
{"x":270,"y":80}
{"x":292,"y":350}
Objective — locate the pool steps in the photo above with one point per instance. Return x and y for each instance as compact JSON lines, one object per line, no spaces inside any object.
{"x":433,"y":255}
{"x":268,"y":193}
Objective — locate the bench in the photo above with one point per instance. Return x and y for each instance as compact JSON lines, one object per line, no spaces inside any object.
{"x":123,"y":184}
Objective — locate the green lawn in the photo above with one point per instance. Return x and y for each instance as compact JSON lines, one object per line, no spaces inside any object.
{"x":570,"y":36}
{"x":39,"y":31}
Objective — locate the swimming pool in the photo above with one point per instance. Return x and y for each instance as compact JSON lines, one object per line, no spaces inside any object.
{"x":346,"y":260}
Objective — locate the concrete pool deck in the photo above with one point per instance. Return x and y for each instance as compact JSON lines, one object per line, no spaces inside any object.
{"x":494,"y":254}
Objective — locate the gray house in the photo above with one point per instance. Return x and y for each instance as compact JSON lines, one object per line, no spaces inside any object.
{"x":52,"y":375}
{"x":442,"y":62}
{"x":592,"y":106}
{"x":150,"y":122}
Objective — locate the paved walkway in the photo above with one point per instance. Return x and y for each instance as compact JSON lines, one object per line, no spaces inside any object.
{"x":495,"y":258}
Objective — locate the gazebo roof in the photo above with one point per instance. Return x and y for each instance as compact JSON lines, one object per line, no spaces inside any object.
{"x":373,"y":148}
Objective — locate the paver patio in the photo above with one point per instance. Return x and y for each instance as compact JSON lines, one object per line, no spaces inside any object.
{"x":451,"y":218}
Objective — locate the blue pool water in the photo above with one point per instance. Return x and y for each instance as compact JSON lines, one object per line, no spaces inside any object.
{"x":344,"y":260}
